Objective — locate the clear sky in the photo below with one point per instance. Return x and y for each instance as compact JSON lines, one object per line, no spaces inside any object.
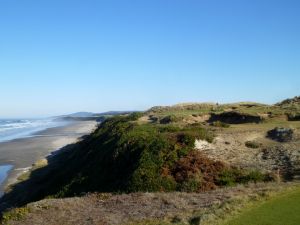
{"x":62,"y":56}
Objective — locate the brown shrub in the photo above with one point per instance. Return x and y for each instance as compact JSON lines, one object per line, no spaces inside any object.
{"x":195,"y":164}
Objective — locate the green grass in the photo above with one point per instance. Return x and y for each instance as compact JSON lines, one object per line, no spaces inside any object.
{"x":281,"y":210}
{"x":252,"y":144}
{"x":14,"y":214}
{"x":220,"y":124}
{"x":201,"y":109}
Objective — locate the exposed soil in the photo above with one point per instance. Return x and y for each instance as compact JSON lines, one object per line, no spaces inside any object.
{"x":229,"y":146}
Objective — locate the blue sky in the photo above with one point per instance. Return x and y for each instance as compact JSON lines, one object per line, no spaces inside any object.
{"x":63,"y":56}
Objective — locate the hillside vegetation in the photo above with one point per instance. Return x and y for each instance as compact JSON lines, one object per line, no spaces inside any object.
{"x":282,"y":109}
{"x":123,"y":155}
{"x":190,"y":148}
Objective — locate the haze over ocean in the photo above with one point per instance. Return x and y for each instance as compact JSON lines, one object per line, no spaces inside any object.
{"x":58,"y":57}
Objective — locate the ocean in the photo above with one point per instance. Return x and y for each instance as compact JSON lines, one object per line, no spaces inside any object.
{"x":4,"y":169}
{"x":20,"y":128}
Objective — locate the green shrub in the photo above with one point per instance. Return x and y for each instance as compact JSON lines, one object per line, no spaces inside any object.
{"x":192,"y":184}
{"x":195,"y":220}
{"x":135,"y":116}
{"x":254,"y":176}
{"x":197,"y":131}
{"x":168,"y":183}
{"x":187,"y":139}
{"x":15,"y":214}
{"x":170,"y":119}
{"x":228,"y":177}
{"x":252,"y":144}
{"x":234,"y":176}
{"x":168,"y":129}
{"x":220,"y":124}
{"x":293,"y":116}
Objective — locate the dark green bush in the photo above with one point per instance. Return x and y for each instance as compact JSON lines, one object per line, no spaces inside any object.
{"x":187,"y":139}
{"x":220,"y":124}
{"x":198,"y":132}
{"x":234,"y":176}
{"x":192,"y":184}
{"x":254,"y":176}
{"x":168,"y":129}
{"x":170,"y":119}
{"x":195,"y":220}
{"x":252,"y":144}
{"x":228,"y":177}
{"x":135,"y":116}
{"x":293,"y":116}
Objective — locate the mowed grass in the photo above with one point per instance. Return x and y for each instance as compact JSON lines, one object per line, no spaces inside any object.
{"x":281,"y":210}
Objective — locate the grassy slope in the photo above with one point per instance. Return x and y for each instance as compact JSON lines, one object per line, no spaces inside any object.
{"x":283,"y":209}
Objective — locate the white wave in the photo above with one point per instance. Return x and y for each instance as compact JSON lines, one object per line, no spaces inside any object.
{"x":11,"y":129}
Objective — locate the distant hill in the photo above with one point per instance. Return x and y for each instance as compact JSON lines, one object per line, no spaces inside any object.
{"x":86,"y":116}
{"x":113,"y":113}
{"x":81,"y":114}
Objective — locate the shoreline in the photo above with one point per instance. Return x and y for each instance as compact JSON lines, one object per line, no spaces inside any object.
{"x":23,"y":153}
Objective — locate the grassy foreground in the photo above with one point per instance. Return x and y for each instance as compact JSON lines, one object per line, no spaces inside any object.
{"x":281,"y":210}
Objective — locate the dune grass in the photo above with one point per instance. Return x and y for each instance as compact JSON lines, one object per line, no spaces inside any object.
{"x":281,"y":210}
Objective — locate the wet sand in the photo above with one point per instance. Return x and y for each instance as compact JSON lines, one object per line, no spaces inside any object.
{"x":22,"y":153}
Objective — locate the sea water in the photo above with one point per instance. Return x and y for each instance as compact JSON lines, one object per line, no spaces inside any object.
{"x":4,"y":169}
{"x":19,"y":128}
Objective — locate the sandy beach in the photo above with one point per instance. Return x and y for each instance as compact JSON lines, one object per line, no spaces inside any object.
{"x":22,"y":153}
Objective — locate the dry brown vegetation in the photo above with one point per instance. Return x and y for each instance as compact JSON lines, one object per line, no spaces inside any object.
{"x":195,"y":167}
{"x":143,"y":208}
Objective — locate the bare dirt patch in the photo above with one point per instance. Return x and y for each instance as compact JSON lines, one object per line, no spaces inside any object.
{"x":229,"y":146}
